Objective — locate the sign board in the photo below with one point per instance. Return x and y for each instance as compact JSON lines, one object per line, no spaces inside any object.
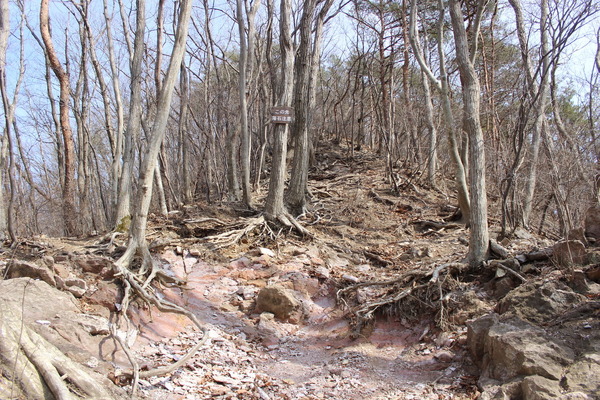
{"x":282,"y":115}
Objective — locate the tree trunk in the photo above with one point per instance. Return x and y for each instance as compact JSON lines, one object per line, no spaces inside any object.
{"x":274,"y":205}
{"x":538,"y":94}
{"x":479,"y":240}
{"x":116,"y":166}
{"x":68,"y":192}
{"x":432,"y":131}
{"x":296,"y":195}
{"x":245,"y":135}
{"x":134,"y":124}
{"x":444,"y":88}
{"x":139,"y":223}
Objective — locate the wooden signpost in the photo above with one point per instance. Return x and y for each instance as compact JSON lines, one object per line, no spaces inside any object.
{"x":282,"y":115}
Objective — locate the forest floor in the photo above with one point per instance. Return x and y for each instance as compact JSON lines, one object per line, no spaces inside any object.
{"x":362,"y":232}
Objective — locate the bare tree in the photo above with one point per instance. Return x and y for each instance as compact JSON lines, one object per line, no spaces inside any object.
{"x":68,"y":192}
{"x":134,"y":123}
{"x":442,"y":85}
{"x":274,"y":206}
{"x":137,"y":241}
{"x":471,"y":90}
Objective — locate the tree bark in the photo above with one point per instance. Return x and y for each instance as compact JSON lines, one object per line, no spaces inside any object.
{"x":134,"y":123}
{"x":538,"y":94}
{"x":471,"y":90}
{"x":245,"y":135}
{"x":274,"y":205}
{"x":138,"y":230}
{"x":443,"y":87}
{"x":68,"y":191}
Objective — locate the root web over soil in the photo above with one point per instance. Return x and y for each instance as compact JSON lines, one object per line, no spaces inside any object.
{"x":407,"y":295}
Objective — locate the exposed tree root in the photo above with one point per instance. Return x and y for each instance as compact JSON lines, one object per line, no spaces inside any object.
{"x":40,"y":369}
{"x":140,"y":284}
{"x":426,"y":287}
{"x":248,"y":225}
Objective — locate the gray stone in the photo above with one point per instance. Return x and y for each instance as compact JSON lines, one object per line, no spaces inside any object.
{"x":569,"y":252}
{"x":72,"y":281}
{"x":539,"y":388}
{"x":518,"y":348}
{"x":477,"y":332}
{"x":76,"y":291}
{"x":592,"y":222}
{"x":539,"y":302}
{"x":24,"y":269}
{"x":584,"y":375}
{"x":92,"y":324}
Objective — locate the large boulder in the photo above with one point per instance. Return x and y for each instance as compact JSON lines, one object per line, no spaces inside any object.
{"x":539,"y":302}
{"x":584,"y":375}
{"x":24,"y":269}
{"x":514,"y":348}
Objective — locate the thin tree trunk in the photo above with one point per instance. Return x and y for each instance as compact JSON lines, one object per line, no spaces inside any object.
{"x":184,"y":93}
{"x":245,"y":135}
{"x":134,"y":124}
{"x":116,"y":167}
{"x":471,"y":90}
{"x":139,"y":224}
{"x":444,"y":88}
{"x":68,"y":192}
{"x":274,"y":205}
{"x":539,"y":95}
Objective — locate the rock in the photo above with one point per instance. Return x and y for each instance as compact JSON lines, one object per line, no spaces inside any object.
{"x":37,"y":299}
{"x":92,"y":264}
{"x":92,"y":324}
{"x":577,"y":234}
{"x":539,"y":388}
{"x":494,"y":390}
{"x":350,"y":278}
{"x":477,"y":332}
{"x":23,"y":269}
{"x":268,"y":329}
{"x":539,"y":301}
{"x":592,"y":222}
{"x":444,"y":356}
{"x":503,"y":286}
{"x":72,"y":281}
{"x":575,"y":396}
{"x":322,"y":272}
{"x":106,"y":296}
{"x":76,"y":291}
{"x":518,"y":348}
{"x":593,"y":273}
{"x":266,"y":252}
{"x":584,"y":375}
{"x":48,"y":261}
{"x":569,"y":252}
{"x":243,"y":262}
{"x":279,"y":301}
{"x":521,"y":233}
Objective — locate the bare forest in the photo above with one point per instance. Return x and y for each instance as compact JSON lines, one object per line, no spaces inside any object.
{"x":232,"y":122}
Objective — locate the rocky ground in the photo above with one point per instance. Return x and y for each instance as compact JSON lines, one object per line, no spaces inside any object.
{"x":526,"y":326}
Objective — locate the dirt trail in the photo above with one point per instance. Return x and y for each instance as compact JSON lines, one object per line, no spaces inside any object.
{"x":312,"y":360}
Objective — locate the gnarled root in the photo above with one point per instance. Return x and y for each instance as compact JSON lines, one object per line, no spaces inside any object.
{"x":40,"y":369}
{"x":141,"y":286}
{"x":424,"y":286}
